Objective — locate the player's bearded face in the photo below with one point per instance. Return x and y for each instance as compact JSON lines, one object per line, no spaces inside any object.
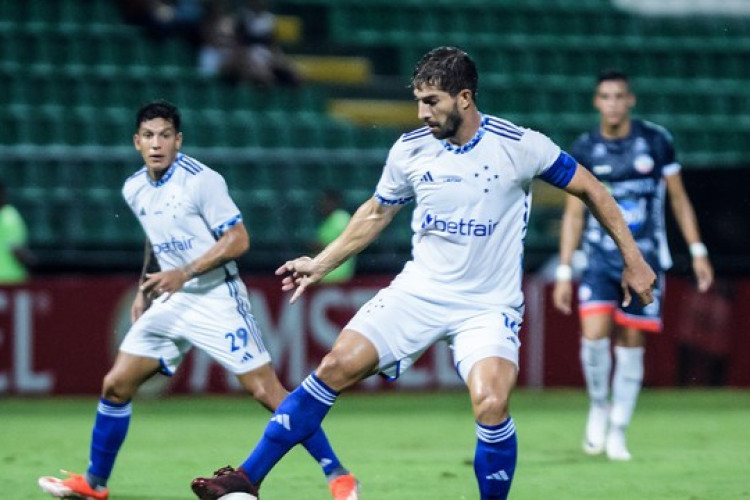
{"x":449,"y":125}
{"x":438,"y":110}
{"x":158,"y":142}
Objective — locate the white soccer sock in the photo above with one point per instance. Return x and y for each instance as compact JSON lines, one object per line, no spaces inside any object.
{"x":626,"y":384}
{"x":596,"y":361}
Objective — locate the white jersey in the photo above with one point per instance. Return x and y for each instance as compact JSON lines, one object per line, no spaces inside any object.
{"x":183,"y":215}
{"x":472,"y":207}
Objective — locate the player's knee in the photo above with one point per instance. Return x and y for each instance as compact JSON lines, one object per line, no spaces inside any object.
{"x":491,"y":408}
{"x":337,"y":371}
{"x":116,"y":389}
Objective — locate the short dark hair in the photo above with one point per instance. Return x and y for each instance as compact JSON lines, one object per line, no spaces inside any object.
{"x":159,"y":109}
{"x":612,"y":74}
{"x":447,"y":68}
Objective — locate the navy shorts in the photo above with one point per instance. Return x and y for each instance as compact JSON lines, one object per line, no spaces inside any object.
{"x":600,"y":292}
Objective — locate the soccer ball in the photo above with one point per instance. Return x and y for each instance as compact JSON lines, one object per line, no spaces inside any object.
{"x":238,"y":496}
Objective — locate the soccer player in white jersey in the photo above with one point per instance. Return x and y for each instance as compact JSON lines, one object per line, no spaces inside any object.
{"x":636,"y":160}
{"x":195,"y":298}
{"x":470,"y":175}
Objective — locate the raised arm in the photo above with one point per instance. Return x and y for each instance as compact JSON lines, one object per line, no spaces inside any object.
{"x":636,"y":274}
{"x":365,"y":225}
{"x":688,"y":224}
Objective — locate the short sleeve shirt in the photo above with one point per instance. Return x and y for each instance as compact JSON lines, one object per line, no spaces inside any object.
{"x":472,"y":206}
{"x":184,"y":214}
{"x":633,"y":170}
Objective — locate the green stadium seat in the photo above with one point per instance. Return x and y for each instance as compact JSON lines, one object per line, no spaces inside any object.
{"x":87,"y":125}
{"x":264,"y":219}
{"x":45,"y":221}
{"x":60,"y":11}
{"x":95,"y":222}
{"x":242,"y":128}
{"x":10,"y":125}
{"x":43,"y":180}
{"x":39,"y":125}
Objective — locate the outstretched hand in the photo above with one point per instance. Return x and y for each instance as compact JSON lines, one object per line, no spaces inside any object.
{"x":641,"y":279}
{"x":299,"y":274}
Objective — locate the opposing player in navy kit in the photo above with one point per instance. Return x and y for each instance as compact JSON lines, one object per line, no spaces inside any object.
{"x":470,"y":175}
{"x":636,"y":160}
{"x":196,"y":298}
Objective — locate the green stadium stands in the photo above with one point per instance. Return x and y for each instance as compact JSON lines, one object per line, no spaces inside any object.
{"x":72,"y":73}
{"x":59,"y":11}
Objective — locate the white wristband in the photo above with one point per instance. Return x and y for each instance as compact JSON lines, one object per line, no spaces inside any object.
{"x":563,"y":272}
{"x":698,"y":250}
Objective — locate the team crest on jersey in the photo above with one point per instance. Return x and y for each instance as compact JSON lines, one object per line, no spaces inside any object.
{"x":643,"y":163}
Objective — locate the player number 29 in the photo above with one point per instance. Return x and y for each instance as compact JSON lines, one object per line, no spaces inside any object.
{"x":238,"y":339}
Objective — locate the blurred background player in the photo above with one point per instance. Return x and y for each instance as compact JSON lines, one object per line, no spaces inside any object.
{"x":15,"y":256}
{"x":269,"y":64}
{"x":195,"y":232}
{"x":239,"y":44}
{"x":471,"y":176}
{"x":335,"y":220}
{"x":636,"y":160}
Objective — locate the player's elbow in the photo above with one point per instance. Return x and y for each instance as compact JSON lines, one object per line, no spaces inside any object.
{"x":238,"y":242}
{"x":244,"y":244}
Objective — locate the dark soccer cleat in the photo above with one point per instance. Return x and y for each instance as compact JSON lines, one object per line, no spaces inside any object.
{"x":225,"y":480}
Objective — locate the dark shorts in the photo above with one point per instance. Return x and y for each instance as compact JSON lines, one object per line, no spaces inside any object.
{"x":600,"y":292}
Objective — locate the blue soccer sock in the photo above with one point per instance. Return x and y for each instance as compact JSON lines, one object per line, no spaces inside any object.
{"x":318,"y":446}
{"x":495,"y":459}
{"x":295,"y":420}
{"x":110,"y":429}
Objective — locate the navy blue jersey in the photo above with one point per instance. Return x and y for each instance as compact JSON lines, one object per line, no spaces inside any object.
{"x":632,"y":169}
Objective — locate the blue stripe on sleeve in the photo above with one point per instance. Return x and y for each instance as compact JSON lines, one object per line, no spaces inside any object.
{"x":560,"y":173}
{"x":221,"y":229}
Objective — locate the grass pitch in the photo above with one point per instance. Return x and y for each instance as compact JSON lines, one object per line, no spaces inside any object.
{"x":686,"y":444}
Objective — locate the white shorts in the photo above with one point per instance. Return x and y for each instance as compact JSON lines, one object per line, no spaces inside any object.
{"x":402,"y":325}
{"x":216,"y":321}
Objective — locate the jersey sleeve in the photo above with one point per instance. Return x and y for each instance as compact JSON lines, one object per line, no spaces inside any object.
{"x":544,"y":159}
{"x":579,"y":151}
{"x":393,"y":187}
{"x":667,"y":154}
{"x":214,"y":203}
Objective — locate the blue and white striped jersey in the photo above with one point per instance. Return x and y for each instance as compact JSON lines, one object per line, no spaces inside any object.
{"x":633,"y":169}
{"x":472,"y":206}
{"x":183,"y":214}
